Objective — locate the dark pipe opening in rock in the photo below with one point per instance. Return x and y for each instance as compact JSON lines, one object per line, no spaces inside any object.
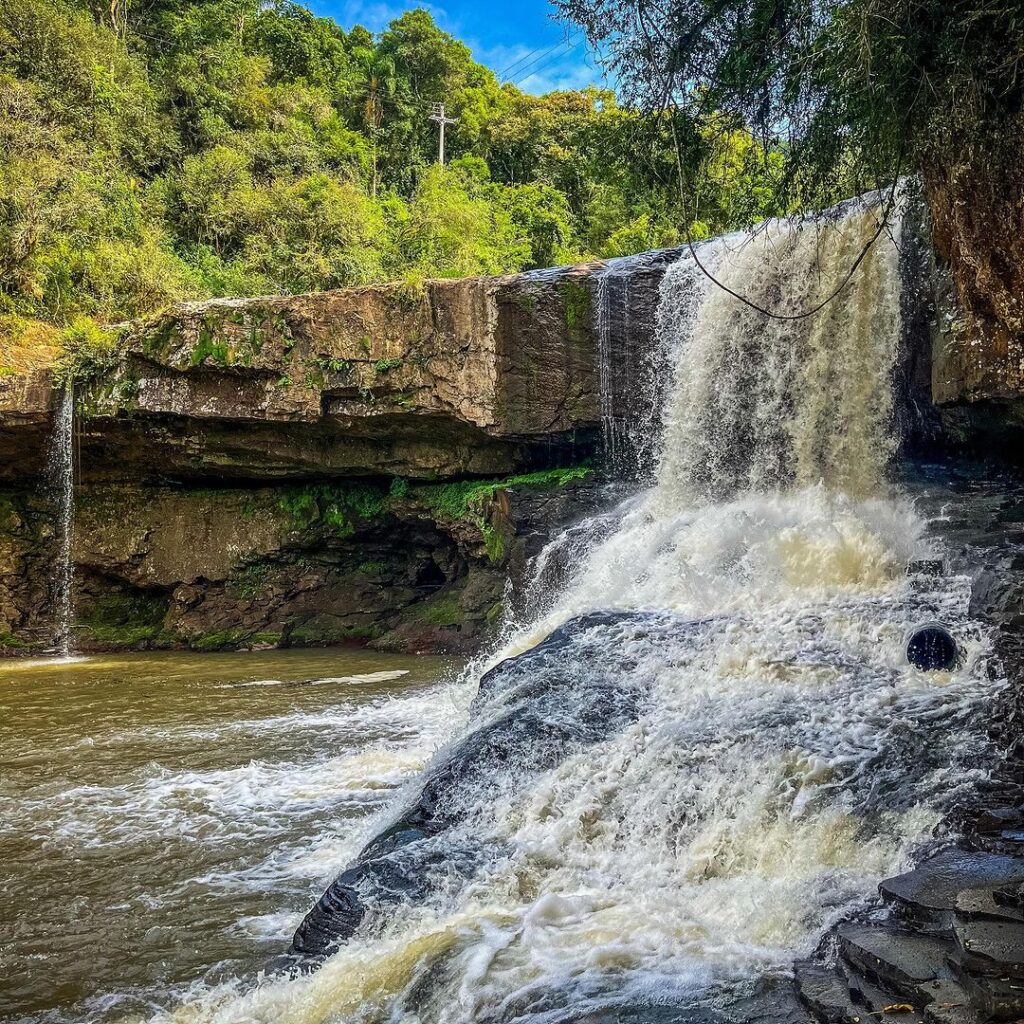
{"x":932,"y":647}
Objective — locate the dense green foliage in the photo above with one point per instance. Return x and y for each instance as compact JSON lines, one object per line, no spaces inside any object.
{"x":853,"y":91}
{"x":193,"y":148}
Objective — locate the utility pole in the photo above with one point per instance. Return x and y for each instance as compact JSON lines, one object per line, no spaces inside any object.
{"x":437,"y":114}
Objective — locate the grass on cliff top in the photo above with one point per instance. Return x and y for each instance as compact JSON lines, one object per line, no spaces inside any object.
{"x":26,"y":345}
{"x":79,"y":350}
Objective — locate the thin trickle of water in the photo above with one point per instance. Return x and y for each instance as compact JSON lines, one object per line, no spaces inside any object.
{"x":61,"y":476}
{"x":631,"y":369}
{"x":609,"y":431}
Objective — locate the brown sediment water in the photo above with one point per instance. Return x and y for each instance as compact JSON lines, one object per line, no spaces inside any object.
{"x":167,"y":818}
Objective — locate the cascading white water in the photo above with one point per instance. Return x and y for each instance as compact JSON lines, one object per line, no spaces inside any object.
{"x":61,"y":474}
{"x":779,"y":765}
{"x":763,"y":403}
{"x":629,"y":371}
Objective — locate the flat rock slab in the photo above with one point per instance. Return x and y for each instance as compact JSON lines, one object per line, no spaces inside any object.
{"x":983,"y":903}
{"x":936,"y":884}
{"x":993,"y":947}
{"x":826,"y":994}
{"x":902,"y":960}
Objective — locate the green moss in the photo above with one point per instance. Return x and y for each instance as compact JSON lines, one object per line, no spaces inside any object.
{"x":342,"y":507}
{"x":218,"y":641}
{"x":264,"y":638}
{"x":460,"y":499}
{"x":441,"y":610}
{"x":467,"y":500}
{"x":399,"y":487}
{"x":126,"y":637}
{"x":135,"y":610}
{"x":330,"y":365}
{"x":208,"y":348}
{"x":494,"y":542}
{"x":372,"y":568}
{"x":576,"y":303}
{"x":304,"y":636}
{"x":364,"y":343}
{"x":383,"y":365}
{"x":250,"y":582}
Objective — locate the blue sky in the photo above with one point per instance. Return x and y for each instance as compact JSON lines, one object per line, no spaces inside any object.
{"x":499,"y":32}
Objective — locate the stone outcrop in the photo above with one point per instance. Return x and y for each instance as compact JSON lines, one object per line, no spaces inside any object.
{"x":413,"y":568}
{"x":470,"y":377}
{"x":949,"y":948}
{"x":367,"y":465}
{"x":977,"y":214}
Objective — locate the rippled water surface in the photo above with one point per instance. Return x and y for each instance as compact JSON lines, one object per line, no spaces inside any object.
{"x":166,"y":819}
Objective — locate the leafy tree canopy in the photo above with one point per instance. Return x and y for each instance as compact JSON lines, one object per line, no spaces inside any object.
{"x":853,"y":91}
{"x":154,"y":150}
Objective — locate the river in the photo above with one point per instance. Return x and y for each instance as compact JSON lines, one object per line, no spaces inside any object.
{"x":167,"y":819}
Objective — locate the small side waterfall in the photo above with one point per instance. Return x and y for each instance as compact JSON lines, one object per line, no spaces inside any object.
{"x":61,"y":476}
{"x":631,"y":366}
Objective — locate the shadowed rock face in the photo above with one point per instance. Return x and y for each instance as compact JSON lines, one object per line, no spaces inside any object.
{"x":280,"y":566}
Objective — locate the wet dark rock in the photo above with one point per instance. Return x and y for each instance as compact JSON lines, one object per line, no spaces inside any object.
{"x":948,"y":947}
{"x":904,"y":960}
{"x":992,"y":946}
{"x":534,"y":711}
{"x":933,"y":887}
{"x":826,"y":993}
{"x":926,"y":567}
{"x":982,"y":903}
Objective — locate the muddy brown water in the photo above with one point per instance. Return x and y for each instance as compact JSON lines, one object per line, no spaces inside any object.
{"x":167,"y":819}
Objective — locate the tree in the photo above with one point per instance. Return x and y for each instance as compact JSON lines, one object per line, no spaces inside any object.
{"x":856,"y":90}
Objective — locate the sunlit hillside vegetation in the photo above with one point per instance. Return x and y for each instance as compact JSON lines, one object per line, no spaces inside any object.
{"x":183,"y":149}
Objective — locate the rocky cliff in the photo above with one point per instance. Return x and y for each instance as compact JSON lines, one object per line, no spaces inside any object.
{"x":977,"y":211}
{"x":368,"y":465}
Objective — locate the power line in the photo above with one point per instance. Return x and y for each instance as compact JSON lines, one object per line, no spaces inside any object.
{"x":505,"y":71}
{"x":547,"y":64}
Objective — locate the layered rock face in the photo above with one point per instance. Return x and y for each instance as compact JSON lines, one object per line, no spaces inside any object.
{"x":273,"y":471}
{"x":977,"y":377}
{"x":364,"y":465}
{"x":479,"y":376}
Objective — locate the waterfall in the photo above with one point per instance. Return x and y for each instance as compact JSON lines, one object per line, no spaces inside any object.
{"x":774,"y":754}
{"x":631,"y":363}
{"x":61,"y":475}
{"x":766,"y":404}
{"x":606,"y":383}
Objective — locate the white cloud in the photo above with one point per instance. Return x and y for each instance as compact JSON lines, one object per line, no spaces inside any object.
{"x":375,"y":15}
